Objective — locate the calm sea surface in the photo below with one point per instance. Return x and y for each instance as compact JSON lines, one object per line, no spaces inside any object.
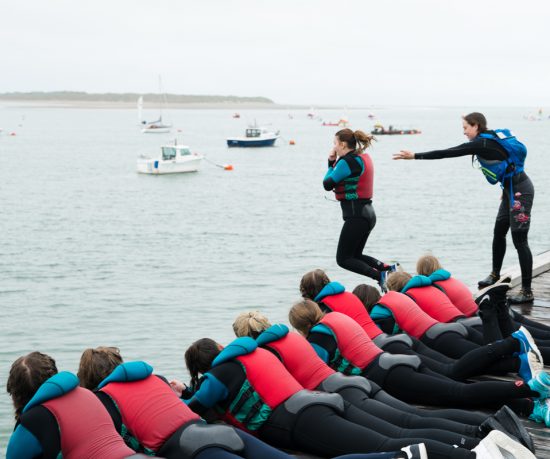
{"x":92,"y":253}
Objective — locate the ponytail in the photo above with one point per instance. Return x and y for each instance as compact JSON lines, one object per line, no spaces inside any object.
{"x":356,"y":140}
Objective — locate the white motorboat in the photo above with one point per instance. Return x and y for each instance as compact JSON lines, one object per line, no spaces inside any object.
{"x":174,"y":159}
{"x":254,"y":137}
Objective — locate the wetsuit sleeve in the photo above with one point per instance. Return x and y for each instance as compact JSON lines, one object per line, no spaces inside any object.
{"x":23,"y":445}
{"x":210,"y":392}
{"x":325,"y":345}
{"x":321,"y":352}
{"x":484,"y":148}
{"x":345,"y":167}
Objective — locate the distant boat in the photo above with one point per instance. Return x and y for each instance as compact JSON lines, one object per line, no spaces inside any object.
{"x":157,"y":126}
{"x":174,"y":159}
{"x":342,"y":122}
{"x":255,"y":136}
{"x":381,"y":130}
{"x":236,"y":115}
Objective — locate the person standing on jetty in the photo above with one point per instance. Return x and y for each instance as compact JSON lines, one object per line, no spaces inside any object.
{"x":350,"y":175}
{"x":501,"y":157}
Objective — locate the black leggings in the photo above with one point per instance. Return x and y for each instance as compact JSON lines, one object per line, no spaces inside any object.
{"x":353,"y":238}
{"x":426,"y":387}
{"x":322,"y":431}
{"x":521,"y":244}
{"x":495,"y":358}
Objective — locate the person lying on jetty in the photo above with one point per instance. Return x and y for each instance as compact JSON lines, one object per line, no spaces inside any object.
{"x":251,"y":389}
{"x":345,"y":346}
{"x":460,"y":295}
{"x":55,"y":416}
{"x":441,"y":355}
{"x":300,"y":359}
{"x":151,"y":417}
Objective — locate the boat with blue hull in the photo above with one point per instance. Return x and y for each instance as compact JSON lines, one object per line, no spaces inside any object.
{"x":254,"y":137}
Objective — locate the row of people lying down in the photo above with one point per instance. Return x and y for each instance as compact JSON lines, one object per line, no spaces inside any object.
{"x":131,"y":413}
{"x":274,"y":405}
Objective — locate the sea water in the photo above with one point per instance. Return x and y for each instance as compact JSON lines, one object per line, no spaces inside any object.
{"x":91,"y":253}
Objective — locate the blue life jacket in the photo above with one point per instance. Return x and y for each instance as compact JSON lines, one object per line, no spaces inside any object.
{"x":498,"y":171}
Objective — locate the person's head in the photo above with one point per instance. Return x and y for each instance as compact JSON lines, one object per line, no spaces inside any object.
{"x":368,"y":295}
{"x":427,"y":264}
{"x":96,"y":364}
{"x":251,"y":323}
{"x":199,"y":357}
{"x":27,"y":374}
{"x":346,"y":140}
{"x":397,"y":280}
{"x":304,"y":315}
{"x":312,"y":283}
{"x":474,"y":124}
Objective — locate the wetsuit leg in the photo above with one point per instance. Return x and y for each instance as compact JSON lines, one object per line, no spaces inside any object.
{"x":537,"y":329}
{"x":320,"y":430}
{"x":421,"y":348}
{"x":402,"y":418}
{"x":451,"y":344}
{"x":502,"y":225}
{"x":219,"y":453}
{"x":254,"y":448}
{"x":519,"y":239}
{"x":357,"y":416}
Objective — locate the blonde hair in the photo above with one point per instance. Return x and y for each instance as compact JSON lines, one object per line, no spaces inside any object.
{"x":427,"y":264}
{"x":96,"y":364}
{"x":305,"y":314}
{"x":251,"y":323}
{"x":397,"y":280}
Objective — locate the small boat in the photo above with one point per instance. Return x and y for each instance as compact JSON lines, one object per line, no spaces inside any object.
{"x":342,"y":122}
{"x":255,"y":136}
{"x":381,"y":130}
{"x":156,"y":127}
{"x":236,"y":115}
{"x":174,"y":159}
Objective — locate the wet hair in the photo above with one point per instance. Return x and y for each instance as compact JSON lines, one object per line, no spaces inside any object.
{"x":312,"y":283}
{"x":27,"y":374}
{"x":96,"y":364}
{"x":476,"y":119}
{"x":251,"y":323}
{"x":397,"y":280}
{"x":427,"y":264}
{"x":368,"y":295}
{"x":305,"y":314}
{"x":199,"y":357}
{"x":356,"y":140}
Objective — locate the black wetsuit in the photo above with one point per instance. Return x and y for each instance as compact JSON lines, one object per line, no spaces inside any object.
{"x":359,"y":220}
{"x":426,"y":387}
{"x":517,"y":218}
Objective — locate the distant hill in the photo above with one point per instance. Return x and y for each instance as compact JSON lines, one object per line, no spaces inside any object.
{"x":77,"y":96}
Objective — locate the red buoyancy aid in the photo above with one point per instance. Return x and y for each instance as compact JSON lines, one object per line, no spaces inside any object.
{"x":435,"y":303}
{"x":268,"y":377}
{"x":365,"y":183}
{"x":407,"y":314}
{"x":347,"y":303}
{"x":150,"y":409}
{"x":352,"y":341}
{"x":459,"y":294}
{"x":85,"y":427}
{"x":301,"y":360}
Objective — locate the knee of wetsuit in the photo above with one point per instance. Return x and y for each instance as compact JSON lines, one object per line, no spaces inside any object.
{"x":501,"y":228}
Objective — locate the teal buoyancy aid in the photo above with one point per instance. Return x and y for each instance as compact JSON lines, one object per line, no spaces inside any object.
{"x":498,"y":171}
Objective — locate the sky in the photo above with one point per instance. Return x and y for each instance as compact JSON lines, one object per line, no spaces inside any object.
{"x":308,"y":52}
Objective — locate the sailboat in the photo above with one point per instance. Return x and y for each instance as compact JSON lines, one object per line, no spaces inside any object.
{"x":157,"y":126}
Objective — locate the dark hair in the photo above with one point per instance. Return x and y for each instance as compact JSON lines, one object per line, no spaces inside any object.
{"x":27,"y":374}
{"x":368,"y":295}
{"x":199,"y":357}
{"x":357,"y":140}
{"x":476,"y":119}
{"x":312,"y":283}
{"x":96,"y":364}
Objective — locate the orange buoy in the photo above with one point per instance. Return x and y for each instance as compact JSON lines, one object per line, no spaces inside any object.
{"x":291,"y":142}
{"x":228,"y":167}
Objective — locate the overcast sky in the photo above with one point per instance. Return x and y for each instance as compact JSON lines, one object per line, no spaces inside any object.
{"x":394,"y":52}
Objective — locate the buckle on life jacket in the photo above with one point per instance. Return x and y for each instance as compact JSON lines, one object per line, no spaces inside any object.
{"x":301,"y":400}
